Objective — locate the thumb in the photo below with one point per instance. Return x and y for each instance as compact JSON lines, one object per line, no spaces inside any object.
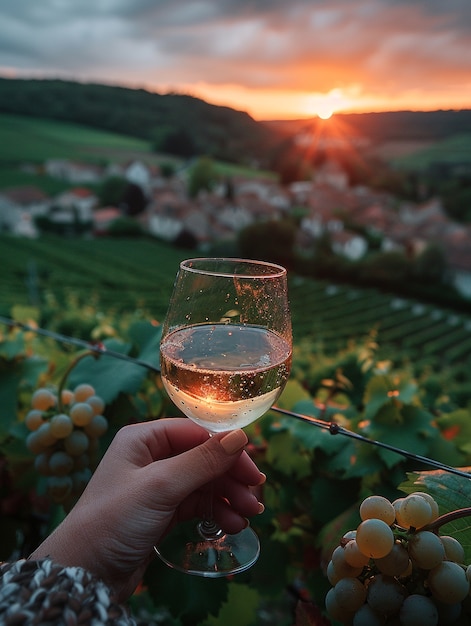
{"x":208,"y":461}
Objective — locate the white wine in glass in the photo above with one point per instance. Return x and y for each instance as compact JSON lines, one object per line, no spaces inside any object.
{"x":225,"y":358}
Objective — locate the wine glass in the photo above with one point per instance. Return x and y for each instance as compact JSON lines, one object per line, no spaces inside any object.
{"x":225,"y":357}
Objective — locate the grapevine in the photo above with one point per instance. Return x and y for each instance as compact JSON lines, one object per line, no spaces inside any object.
{"x":64,"y":429}
{"x":400,"y":571}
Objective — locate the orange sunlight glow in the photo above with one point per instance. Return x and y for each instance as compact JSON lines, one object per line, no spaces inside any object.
{"x":325,"y":105}
{"x":285,"y":104}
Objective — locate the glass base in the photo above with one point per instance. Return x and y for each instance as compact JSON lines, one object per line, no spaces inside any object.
{"x":189,"y":549}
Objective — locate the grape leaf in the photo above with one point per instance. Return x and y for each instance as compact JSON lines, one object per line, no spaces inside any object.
{"x":354,"y":459}
{"x":451,"y":492}
{"x":13,"y":374}
{"x":456,"y":427}
{"x":311,"y":435}
{"x":414,"y":434}
{"x":329,"y":497}
{"x":240,"y":608}
{"x":376,"y":395}
{"x":146,"y":337}
{"x":381,"y":390}
{"x":109,"y":375}
{"x":285,"y":455}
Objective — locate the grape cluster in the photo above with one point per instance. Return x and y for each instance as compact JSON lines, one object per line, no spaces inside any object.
{"x":393,"y":570}
{"x":64,"y":436}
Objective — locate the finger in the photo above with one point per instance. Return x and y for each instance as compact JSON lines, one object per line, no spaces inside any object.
{"x":240,"y":497}
{"x":160,"y":438}
{"x":230,"y":519}
{"x":149,"y":441}
{"x":200,"y":465}
{"x":245,"y":471}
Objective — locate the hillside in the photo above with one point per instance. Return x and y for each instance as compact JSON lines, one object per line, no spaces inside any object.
{"x":387,"y":126}
{"x":198,"y":127}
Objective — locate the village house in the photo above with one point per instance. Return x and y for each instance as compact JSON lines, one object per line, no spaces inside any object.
{"x":327,"y":202}
{"x":19,"y":207}
{"x":74,"y":172}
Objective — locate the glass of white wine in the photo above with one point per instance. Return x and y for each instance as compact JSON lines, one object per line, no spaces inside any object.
{"x":225,"y":352}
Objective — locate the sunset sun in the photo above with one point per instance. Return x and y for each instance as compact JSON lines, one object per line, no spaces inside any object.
{"x":325,"y":111}
{"x":324,"y":105}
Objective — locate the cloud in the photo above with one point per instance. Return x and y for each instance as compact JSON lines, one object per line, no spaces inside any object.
{"x":387,"y":47}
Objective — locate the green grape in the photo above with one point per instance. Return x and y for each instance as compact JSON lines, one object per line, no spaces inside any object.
{"x":433,"y":503}
{"x":331,"y":574}
{"x":34,"y":443}
{"x":365,"y":616}
{"x":350,"y":594}
{"x":353,"y":556}
{"x":385,"y":594}
{"x":397,"y":508}
{"x":43,"y":399}
{"x":97,"y":426}
{"x":426,"y":549}
{"x":81,"y":414}
{"x":97,"y":404}
{"x":67,"y":397}
{"x":45,"y":435}
{"x":395,"y":563}
{"x":34,"y":419}
{"x":378,"y":507}
{"x":83,"y":392}
{"x":415,"y":511}
{"x":350,"y":534}
{"x":76,"y":443}
{"x":341,"y":567}
{"x":61,"y":426}
{"x":454,"y":551}
{"x":334,"y":610}
{"x":418,"y":610}
{"x":60,"y":463}
{"x":41,"y":464}
{"x":375,"y":538}
{"x":448,"y":582}
{"x":59,"y":487}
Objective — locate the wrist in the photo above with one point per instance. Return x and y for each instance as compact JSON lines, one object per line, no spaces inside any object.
{"x":68,"y":545}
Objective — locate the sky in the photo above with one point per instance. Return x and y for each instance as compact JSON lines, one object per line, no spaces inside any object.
{"x":275,"y":59}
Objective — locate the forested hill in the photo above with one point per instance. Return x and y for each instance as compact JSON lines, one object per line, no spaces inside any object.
{"x":391,"y":125}
{"x":191,"y":126}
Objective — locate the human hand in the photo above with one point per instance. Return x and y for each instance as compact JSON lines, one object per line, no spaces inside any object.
{"x":153,"y":475}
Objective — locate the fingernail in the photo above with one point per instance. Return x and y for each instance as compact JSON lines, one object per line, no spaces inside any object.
{"x":263,"y":478}
{"x":261,"y":508}
{"x":234,"y":441}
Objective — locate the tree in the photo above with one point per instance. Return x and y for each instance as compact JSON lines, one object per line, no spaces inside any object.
{"x":202,"y":176}
{"x":431,"y":266}
{"x":269,"y":241}
{"x":111,"y":191}
{"x":133,"y":199}
{"x":175,"y":140}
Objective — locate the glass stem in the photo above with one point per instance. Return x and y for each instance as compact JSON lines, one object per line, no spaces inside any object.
{"x":208,"y":528}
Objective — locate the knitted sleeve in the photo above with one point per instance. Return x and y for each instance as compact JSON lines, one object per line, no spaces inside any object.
{"x":43,"y":592}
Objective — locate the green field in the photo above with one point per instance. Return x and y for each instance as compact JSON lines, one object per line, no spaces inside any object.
{"x":456,"y":149}
{"x":124,"y":275}
{"x":34,"y":139}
